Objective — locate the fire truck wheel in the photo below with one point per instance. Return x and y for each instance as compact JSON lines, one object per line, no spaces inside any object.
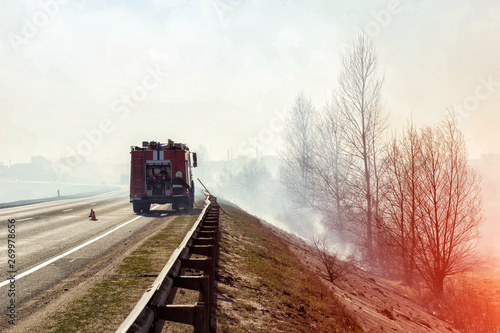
{"x":146,"y":208}
{"x":137,"y":207}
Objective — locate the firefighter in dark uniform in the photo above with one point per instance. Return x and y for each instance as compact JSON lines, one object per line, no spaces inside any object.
{"x":177,"y":192}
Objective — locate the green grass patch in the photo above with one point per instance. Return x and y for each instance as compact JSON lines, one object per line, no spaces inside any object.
{"x":108,"y":303}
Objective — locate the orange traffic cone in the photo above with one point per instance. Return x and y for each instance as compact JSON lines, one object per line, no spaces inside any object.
{"x":93,"y":218}
{"x":91,"y":212}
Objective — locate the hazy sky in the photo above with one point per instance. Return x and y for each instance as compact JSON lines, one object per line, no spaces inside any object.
{"x":84,"y":77}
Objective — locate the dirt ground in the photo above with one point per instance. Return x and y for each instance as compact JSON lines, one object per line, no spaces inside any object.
{"x":378,"y":305}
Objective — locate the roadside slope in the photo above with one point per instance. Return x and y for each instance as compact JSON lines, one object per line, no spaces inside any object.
{"x":268,"y":282}
{"x":264,"y":287}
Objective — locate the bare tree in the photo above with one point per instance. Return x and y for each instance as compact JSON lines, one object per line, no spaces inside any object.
{"x":329,"y":171}
{"x":334,"y":267}
{"x":433,"y":204}
{"x":298,"y":135}
{"x":450,"y":208}
{"x":364,"y":122}
{"x":401,"y":196}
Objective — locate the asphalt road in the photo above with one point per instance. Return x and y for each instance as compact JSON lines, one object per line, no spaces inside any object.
{"x":53,"y":239}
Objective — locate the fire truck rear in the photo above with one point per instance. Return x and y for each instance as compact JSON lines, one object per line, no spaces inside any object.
{"x":153,"y":166}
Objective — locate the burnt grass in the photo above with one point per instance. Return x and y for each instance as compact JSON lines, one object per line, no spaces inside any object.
{"x":263,"y":287}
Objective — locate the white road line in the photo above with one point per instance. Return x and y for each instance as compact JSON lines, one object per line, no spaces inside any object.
{"x":48,"y":262}
{"x":67,"y":210}
{"x":26,"y":219}
{"x":92,"y":204}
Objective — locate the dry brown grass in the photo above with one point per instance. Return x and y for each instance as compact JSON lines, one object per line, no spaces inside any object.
{"x":472,"y":302}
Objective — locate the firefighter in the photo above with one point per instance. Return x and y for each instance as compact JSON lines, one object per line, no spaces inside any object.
{"x":177,"y":192}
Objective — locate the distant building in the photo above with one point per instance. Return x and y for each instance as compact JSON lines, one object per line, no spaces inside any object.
{"x":3,"y":170}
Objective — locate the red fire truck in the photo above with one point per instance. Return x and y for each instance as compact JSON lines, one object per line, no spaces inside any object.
{"x":153,"y":166}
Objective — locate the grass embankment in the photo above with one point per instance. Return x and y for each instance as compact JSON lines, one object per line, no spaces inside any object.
{"x":264,"y":287}
{"x":104,"y":307}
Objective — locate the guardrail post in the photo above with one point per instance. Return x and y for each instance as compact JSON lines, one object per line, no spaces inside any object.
{"x":200,"y":325}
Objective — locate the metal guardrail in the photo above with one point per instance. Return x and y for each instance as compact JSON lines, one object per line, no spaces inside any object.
{"x":155,"y":306}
